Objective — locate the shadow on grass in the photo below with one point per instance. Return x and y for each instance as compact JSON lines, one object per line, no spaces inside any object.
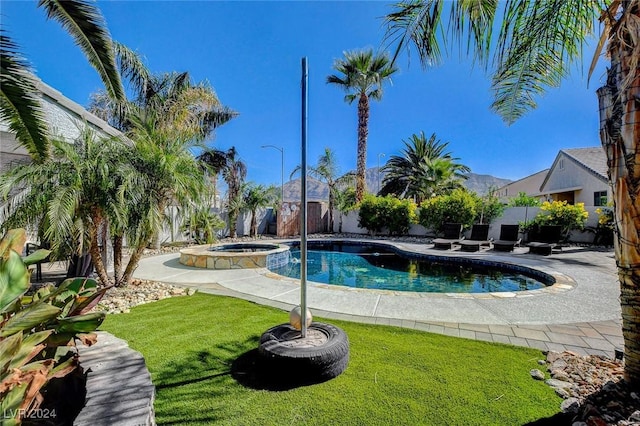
{"x":251,"y":371}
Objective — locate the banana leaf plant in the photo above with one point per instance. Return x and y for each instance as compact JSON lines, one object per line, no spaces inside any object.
{"x":38,"y":332}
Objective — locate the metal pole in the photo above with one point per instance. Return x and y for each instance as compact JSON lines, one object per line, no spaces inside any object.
{"x":303,"y":212}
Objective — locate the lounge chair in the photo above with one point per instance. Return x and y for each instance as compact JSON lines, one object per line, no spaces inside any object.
{"x":547,"y":239}
{"x":508,"y":238}
{"x":451,"y":235}
{"x":479,"y":237}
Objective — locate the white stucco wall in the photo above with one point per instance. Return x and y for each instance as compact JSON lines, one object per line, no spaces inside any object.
{"x":573,"y":177}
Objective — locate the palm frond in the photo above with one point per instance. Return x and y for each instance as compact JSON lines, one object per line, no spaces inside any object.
{"x":85,"y":24}
{"x":132,"y":67}
{"x":538,"y":43}
{"x":19,"y":103}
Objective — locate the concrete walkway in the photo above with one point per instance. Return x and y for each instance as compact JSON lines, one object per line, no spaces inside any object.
{"x":583,"y":316}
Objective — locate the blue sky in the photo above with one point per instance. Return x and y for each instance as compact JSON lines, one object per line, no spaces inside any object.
{"x":250,"y":52}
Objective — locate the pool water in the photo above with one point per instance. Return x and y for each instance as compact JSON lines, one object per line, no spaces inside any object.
{"x":376,"y":268}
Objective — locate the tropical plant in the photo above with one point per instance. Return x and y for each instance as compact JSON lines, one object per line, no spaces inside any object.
{"x":36,"y":331}
{"x":169,"y":115}
{"x":69,"y":197}
{"x":345,"y":200}
{"x":524,"y":200}
{"x":460,"y":206}
{"x":201,"y":225}
{"x":388,"y":212}
{"x":255,"y":197}
{"x":166,"y":173}
{"x":424,"y":170}
{"x":19,"y":102}
{"x":536,"y":47}
{"x":363,"y":74}
{"x":234,"y":175}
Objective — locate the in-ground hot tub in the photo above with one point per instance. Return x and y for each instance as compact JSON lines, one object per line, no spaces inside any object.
{"x":236,"y":256}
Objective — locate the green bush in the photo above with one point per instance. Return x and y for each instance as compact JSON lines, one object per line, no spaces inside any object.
{"x":388,"y":212}
{"x":458,"y":207}
{"x":524,"y":200}
{"x":488,"y":208}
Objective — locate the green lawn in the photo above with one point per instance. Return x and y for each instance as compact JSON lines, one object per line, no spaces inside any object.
{"x":395,"y":376}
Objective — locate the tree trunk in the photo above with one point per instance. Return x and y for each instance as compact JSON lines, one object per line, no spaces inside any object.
{"x":94,"y":248}
{"x":117,"y":258}
{"x":254,"y":225}
{"x":363,"y":133}
{"x":620,"y":137}
{"x":332,"y":190}
{"x":132,"y":265}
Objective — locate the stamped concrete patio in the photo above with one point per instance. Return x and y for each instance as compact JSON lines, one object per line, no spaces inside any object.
{"x":583,"y":316}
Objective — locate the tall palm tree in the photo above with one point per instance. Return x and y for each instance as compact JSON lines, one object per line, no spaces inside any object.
{"x":363,"y":74}
{"x":538,"y":43}
{"x":19,"y":102}
{"x":424,"y":170}
{"x":255,"y":197}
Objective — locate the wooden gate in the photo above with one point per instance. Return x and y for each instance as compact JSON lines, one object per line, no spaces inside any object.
{"x":289,"y":218}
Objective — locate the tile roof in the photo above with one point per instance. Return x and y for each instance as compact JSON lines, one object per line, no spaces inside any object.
{"x":593,"y":158}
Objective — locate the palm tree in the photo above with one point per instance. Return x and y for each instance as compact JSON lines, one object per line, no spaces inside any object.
{"x":363,"y":75}
{"x":255,"y":197}
{"x":69,"y":196}
{"x":19,"y":102}
{"x":424,"y":170}
{"x":167,"y":174}
{"x":234,"y":172}
{"x":327,"y":170}
{"x":213,"y":161}
{"x":537,"y":45}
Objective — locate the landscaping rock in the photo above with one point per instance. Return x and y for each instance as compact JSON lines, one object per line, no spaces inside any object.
{"x":593,"y":390}
{"x":122,"y":299}
{"x":537,"y":374}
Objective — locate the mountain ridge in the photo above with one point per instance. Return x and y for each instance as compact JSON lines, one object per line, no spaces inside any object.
{"x":319,"y":191}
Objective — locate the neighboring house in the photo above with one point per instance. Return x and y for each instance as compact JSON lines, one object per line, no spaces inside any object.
{"x":577,"y":175}
{"x":530,"y":185}
{"x":65,"y":118}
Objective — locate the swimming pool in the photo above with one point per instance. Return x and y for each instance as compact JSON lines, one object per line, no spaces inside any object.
{"x":380,"y":267}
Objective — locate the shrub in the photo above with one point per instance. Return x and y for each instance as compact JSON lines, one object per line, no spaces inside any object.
{"x":488,"y":208}
{"x":377,"y":213}
{"x":569,"y":216}
{"x":457,"y":207}
{"x":524,"y":200}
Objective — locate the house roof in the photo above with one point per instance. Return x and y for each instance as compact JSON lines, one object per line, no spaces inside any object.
{"x":67,"y":103}
{"x":592,"y":159}
{"x":534,"y":176}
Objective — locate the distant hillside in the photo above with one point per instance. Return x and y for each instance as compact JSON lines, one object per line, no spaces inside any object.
{"x":318,"y":191}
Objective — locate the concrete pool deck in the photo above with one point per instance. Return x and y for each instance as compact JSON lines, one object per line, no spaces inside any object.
{"x":583,"y":317}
